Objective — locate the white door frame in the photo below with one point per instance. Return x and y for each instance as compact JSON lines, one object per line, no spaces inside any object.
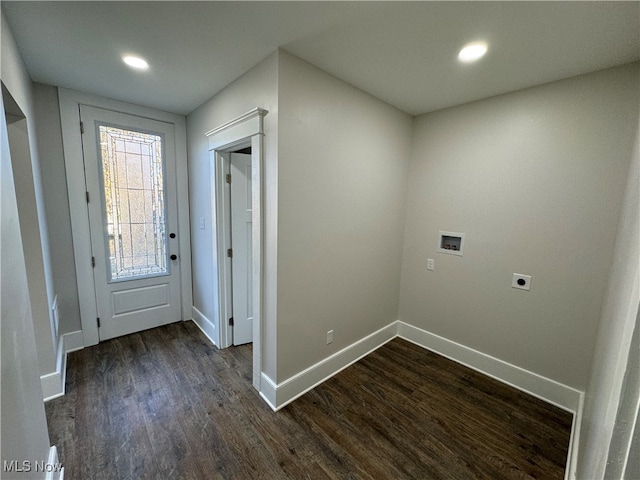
{"x":70,"y":101}
{"x":221,"y":218}
{"x":244,"y":131}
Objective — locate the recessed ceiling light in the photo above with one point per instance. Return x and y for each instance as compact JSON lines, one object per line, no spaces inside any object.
{"x":472,"y":52}
{"x":135,"y":62}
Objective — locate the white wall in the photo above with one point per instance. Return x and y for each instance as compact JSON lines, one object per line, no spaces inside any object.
{"x":54,"y":182}
{"x":535,"y":179}
{"x":613,"y":348}
{"x":256,"y":88}
{"x":24,"y":426}
{"x":342,"y":164}
{"x":31,"y":205}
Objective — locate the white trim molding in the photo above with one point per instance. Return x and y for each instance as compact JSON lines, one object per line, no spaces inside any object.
{"x":541,"y":387}
{"x":73,"y":341}
{"x":243,"y":131}
{"x":562,"y":396}
{"x":54,"y":469}
{"x":221,"y":211}
{"x":241,"y":127}
{"x":53,"y":384}
{"x":268,"y":392}
{"x":550,"y":391}
{"x":204,"y":324}
{"x":570,"y":470}
{"x":280,"y":395}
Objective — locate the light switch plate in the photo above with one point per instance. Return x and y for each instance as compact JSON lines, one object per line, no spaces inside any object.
{"x":329,"y":337}
{"x":523,"y":282}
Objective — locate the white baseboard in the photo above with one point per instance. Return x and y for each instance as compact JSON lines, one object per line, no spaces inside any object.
{"x":279,"y":395}
{"x":51,"y":386}
{"x":299,"y":384}
{"x":53,"y":468}
{"x":555,"y":393}
{"x":268,"y":390}
{"x":541,"y":387}
{"x":570,"y":472}
{"x":53,"y":383}
{"x":73,"y":341}
{"x":206,"y":325}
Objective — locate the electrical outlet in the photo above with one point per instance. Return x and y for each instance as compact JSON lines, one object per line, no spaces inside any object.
{"x":329,"y":337}
{"x":430,"y":264}
{"x":201,"y":223}
{"x":523,"y":282}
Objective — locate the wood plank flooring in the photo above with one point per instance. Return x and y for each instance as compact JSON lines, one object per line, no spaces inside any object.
{"x":166,"y":404}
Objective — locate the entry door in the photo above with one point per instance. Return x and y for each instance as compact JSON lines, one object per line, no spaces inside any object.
{"x":131,"y":189}
{"x":241,"y":261}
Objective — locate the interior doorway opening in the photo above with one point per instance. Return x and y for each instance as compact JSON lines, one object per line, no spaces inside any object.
{"x":245,"y":150}
{"x":239,"y":134}
{"x":240,"y":216}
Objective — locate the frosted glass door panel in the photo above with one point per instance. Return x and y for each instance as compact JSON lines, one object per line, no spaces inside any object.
{"x":132,"y":168}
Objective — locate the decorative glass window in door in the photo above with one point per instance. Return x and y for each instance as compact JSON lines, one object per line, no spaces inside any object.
{"x":133,"y":203}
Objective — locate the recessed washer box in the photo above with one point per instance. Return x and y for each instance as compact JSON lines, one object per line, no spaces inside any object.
{"x":451,"y":243}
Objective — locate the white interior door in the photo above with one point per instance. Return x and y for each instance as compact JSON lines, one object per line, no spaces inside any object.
{"x":131,"y":189}
{"x":241,"y":261}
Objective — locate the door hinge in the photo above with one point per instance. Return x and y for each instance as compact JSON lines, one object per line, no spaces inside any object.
{"x":231,"y":321}
{"x":93,"y":262}
{"x":228,"y":178}
{"x":230,"y":252}
{"x":98,"y":321}
{"x":87,"y":196}
{"x":81,"y":128}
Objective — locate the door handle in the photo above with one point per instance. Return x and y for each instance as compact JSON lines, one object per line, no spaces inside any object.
{"x":172,"y":235}
{"x":173,"y":257}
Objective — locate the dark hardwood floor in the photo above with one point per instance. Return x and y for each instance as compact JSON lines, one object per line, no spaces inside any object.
{"x":166,"y":404}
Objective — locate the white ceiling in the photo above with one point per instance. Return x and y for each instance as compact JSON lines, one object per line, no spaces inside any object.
{"x":402,"y":52}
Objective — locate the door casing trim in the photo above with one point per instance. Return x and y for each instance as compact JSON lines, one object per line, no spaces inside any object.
{"x":243,"y":131}
{"x":70,"y":101}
